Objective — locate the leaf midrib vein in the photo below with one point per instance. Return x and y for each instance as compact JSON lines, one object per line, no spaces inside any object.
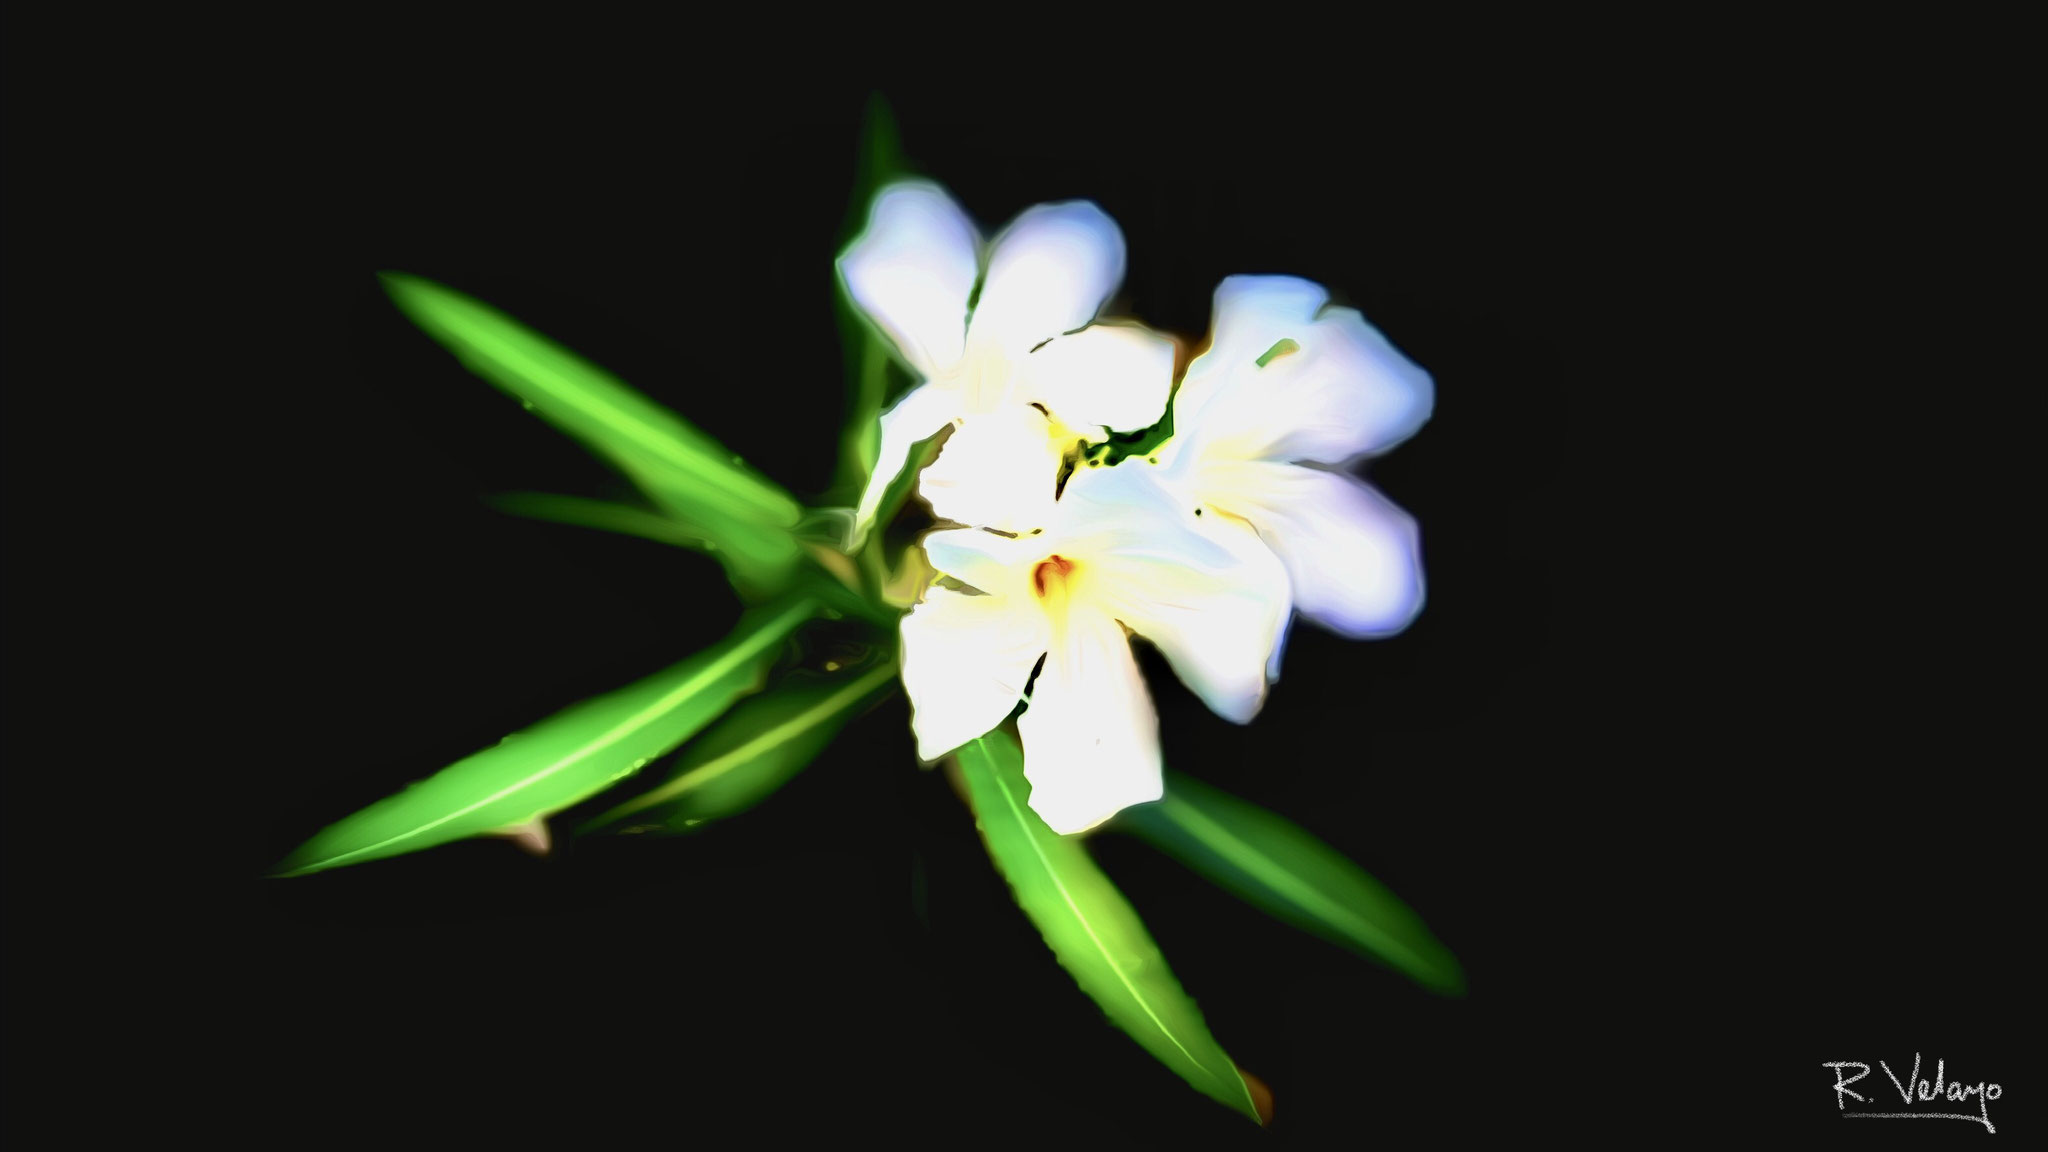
{"x":719,"y":766}
{"x":1276,"y":877}
{"x":531,"y":365}
{"x":1080,"y":917}
{"x":768,"y":633}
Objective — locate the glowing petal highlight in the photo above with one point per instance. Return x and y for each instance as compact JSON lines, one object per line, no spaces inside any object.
{"x":966,"y":660}
{"x":1353,"y":556}
{"x":1213,"y":598}
{"x":912,"y":271}
{"x":998,"y":565}
{"x":1111,"y":376}
{"x":1091,"y":737}
{"x":1341,"y":392}
{"x":1048,"y":273}
{"x":1253,"y":313}
{"x":997,"y":470}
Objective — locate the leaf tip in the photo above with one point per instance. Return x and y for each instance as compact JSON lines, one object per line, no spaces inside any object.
{"x":531,"y":836}
{"x":1449,"y":981}
{"x":408,"y":291}
{"x":1261,"y":1096}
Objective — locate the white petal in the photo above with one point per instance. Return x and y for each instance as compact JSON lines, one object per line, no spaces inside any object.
{"x":912,"y":271}
{"x":1249,"y":314}
{"x":1113,"y":376}
{"x":1178,"y":475}
{"x":1340,"y":391}
{"x":1211,"y":596}
{"x":1354,"y":557}
{"x":995,"y":564}
{"x":966,"y":660}
{"x":998,"y":470}
{"x":919,"y":415}
{"x":1091,"y":736}
{"x":1048,"y":273}
{"x":1279,"y":650}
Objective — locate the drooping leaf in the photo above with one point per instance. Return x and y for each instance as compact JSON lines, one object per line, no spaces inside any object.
{"x":754,"y":750}
{"x":1090,"y":927}
{"x":742,"y":515}
{"x":1278,"y":867}
{"x":564,"y":759}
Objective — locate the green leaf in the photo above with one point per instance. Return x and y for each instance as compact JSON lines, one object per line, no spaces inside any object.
{"x":563,"y":759}
{"x":830,"y":577}
{"x":1090,"y":927}
{"x":1280,"y":868}
{"x":603,"y":515}
{"x":688,"y":474}
{"x":753,"y":751}
{"x":868,"y":376}
{"x":879,"y":161}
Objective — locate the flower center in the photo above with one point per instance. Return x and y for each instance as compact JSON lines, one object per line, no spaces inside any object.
{"x":982,"y":377}
{"x":1049,"y":579}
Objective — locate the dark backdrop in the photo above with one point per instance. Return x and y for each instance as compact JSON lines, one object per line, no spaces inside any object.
{"x":1638,"y":762}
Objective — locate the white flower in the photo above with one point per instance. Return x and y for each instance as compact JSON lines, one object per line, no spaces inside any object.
{"x":1116,"y":554}
{"x":1026,"y":375}
{"x":1288,"y":384}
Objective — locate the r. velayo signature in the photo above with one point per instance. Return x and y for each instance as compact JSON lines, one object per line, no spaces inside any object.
{"x":1940,"y":1088}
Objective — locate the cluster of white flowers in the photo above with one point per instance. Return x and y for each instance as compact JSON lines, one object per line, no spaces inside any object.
{"x":1204,"y":547}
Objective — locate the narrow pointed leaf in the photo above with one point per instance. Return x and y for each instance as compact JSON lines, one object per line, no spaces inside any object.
{"x":757,"y":559}
{"x":879,"y":162}
{"x":754,"y":750}
{"x":1278,"y":867}
{"x":831,"y":577}
{"x":603,"y":515}
{"x":564,"y":759}
{"x":1090,"y":927}
{"x":680,"y":468}
{"x":868,"y":378}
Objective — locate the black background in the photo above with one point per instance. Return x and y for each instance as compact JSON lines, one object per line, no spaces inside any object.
{"x":1682,"y":758}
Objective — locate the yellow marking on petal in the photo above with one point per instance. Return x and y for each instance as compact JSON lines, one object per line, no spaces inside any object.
{"x":983,"y":377}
